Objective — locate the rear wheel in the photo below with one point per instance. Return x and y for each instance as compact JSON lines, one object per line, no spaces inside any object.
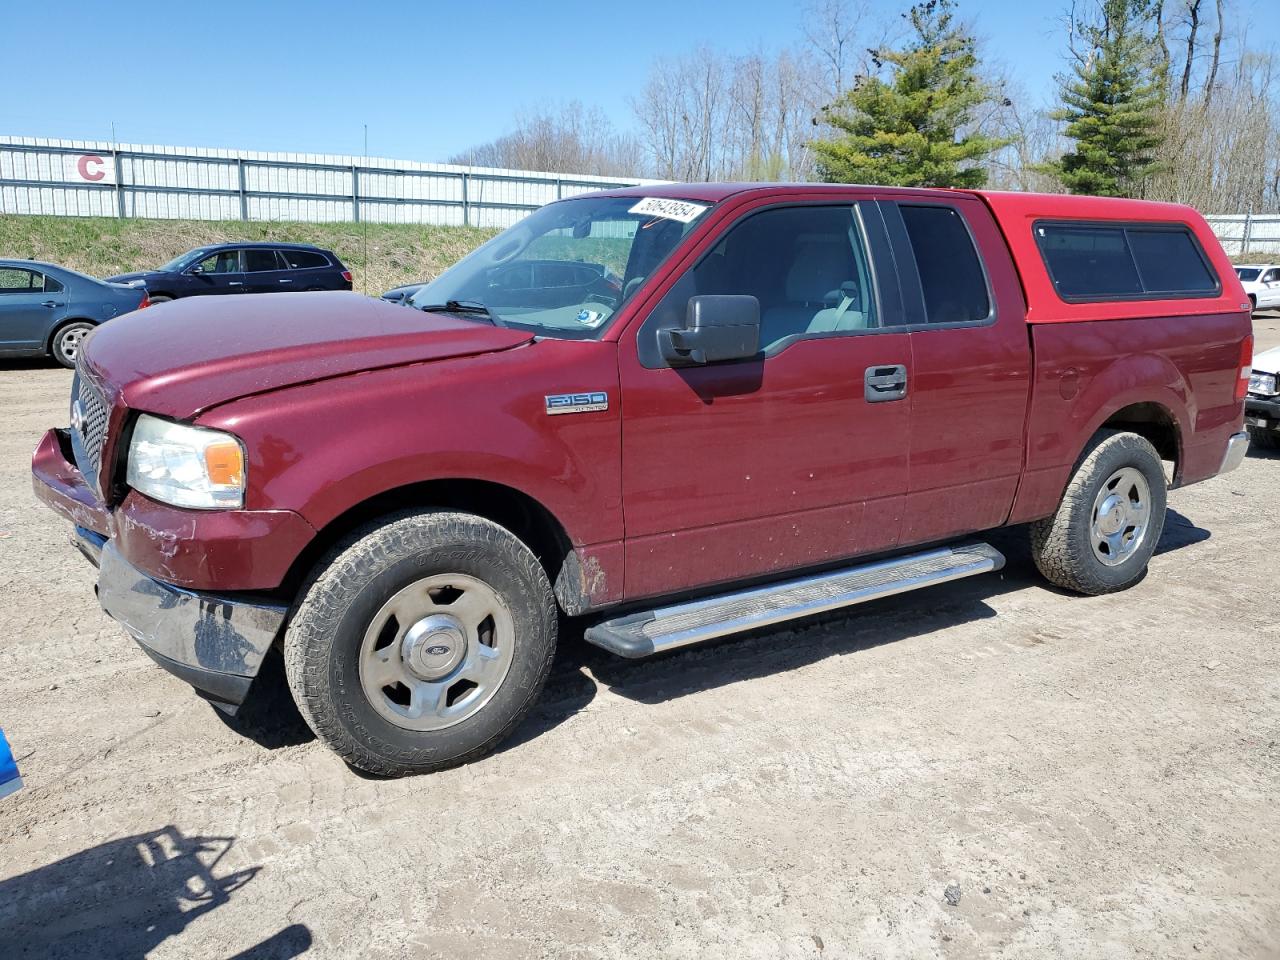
{"x":65,"y":347}
{"x":1109,"y":521}
{"x":1264,"y":439}
{"x":159,"y":298}
{"x":421,"y":642}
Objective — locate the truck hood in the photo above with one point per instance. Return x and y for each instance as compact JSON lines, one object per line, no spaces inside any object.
{"x":1268,"y":361}
{"x":181,"y":358}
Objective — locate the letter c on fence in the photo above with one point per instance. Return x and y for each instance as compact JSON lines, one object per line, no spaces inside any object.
{"x":91,"y":160}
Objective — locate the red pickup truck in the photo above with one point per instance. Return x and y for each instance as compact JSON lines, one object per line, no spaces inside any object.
{"x":685,"y":411}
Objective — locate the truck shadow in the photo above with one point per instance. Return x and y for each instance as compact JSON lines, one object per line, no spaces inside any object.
{"x":121,"y":899}
{"x":778,"y":649}
{"x":32,"y":363}
{"x":270,"y":718}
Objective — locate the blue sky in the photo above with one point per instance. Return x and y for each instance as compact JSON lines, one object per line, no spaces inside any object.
{"x":429,"y":78}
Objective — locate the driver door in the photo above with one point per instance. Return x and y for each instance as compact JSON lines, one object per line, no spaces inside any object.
{"x":748,"y":469}
{"x":220,"y":273}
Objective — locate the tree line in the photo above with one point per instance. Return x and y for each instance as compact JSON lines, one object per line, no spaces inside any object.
{"x":1159,"y":99}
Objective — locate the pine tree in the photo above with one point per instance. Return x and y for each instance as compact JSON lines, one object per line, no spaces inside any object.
{"x":1112,"y":103}
{"x":915,"y":128}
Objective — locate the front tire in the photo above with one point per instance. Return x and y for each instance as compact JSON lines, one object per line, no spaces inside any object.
{"x":65,"y":346}
{"x":1111,"y":516}
{"x":421,"y":641}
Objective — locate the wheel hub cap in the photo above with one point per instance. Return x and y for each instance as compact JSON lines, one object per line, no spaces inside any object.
{"x":436,"y":652}
{"x":433,"y":646}
{"x":1121,"y":516}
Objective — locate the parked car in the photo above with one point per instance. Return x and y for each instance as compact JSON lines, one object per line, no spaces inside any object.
{"x":1262,"y":406}
{"x":797,"y":398}
{"x":46,"y":310}
{"x":1261,"y":281}
{"x":243,"y":268}
{"x":403,"y":293}
{"x":10,"y":780}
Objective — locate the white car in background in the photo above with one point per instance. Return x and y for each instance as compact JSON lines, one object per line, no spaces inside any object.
{"x":1262,"y":405}
{"x":1261,"y":282}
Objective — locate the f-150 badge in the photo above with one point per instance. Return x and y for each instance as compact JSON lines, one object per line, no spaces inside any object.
{"x":577,"y":402}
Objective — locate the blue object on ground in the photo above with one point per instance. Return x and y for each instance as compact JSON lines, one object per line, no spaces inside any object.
{"x":9,"y":779}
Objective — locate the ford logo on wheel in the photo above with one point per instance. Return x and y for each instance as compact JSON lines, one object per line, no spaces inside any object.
{"x":437,"y":650}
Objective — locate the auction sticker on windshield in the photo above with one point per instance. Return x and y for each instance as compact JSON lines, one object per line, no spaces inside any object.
{"x":681,"y":210}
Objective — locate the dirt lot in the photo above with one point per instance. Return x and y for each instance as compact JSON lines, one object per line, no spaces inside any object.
{"x":1097,"y":777}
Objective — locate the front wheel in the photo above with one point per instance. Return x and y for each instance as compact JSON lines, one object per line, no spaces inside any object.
{"x":421,"y":641}
{"x":66,"y":342}
{"x":1111,"y":516}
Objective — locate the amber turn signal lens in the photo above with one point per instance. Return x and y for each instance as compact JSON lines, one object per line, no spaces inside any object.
{"x":225,"y":462}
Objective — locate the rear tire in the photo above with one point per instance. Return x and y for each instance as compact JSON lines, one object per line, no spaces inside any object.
{"x":1106,"y":528}
{"x":159,"y":298}
{"x":65,"y":345}
{"x":1264,"y":439}
{"x":421,"y":641}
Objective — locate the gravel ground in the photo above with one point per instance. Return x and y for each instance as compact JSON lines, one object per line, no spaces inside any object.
{"x":991,"y":768}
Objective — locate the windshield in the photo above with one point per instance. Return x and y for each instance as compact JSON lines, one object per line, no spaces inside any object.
{"x":566,"y":269}
{"x":178,"y":263}
{"x":1247,"y":274}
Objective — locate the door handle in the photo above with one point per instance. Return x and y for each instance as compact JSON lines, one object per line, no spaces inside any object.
{"x":286,"y":280}
{"x":234,"y":283}
{"x":50,"y":303}
{"x":886,"y":382}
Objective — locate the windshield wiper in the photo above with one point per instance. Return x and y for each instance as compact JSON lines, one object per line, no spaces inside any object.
{"x":464,"y":307}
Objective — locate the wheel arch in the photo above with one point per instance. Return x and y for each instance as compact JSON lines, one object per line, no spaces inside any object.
{"x":513,"y":509}
{"x":1155,"y":423}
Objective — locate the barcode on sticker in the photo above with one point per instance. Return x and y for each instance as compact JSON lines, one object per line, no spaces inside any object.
{"x":681,"y":210}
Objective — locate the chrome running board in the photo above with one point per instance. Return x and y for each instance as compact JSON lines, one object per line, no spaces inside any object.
{"x":653,"y":631}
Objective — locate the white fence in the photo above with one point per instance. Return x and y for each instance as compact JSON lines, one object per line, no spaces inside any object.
{"x":86,"y":178}
{"x":1247,"y":234}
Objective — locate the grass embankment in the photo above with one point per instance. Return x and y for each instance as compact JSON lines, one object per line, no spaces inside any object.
{"x":104,"y":246}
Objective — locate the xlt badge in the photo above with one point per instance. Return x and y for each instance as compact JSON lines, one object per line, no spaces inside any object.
{"x":577,"y":402}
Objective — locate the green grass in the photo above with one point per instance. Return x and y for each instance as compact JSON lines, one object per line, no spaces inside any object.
{"x":104,"y":246}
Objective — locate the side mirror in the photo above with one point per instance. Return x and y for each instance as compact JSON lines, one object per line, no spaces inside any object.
{"x":716,"y":329}
{"x":196,"y":270}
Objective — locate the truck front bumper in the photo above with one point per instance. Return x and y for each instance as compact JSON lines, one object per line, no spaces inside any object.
{"x":213,"y":642}
{"x":1263,"y":412}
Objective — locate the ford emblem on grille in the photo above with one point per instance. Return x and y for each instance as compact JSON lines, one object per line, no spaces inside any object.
{"x":77,"y":417}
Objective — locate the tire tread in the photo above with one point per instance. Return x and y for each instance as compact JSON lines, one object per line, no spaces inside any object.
{"x":320,"y":608}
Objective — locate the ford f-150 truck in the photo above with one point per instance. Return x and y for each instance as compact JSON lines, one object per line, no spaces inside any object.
{"x":684,"y":411}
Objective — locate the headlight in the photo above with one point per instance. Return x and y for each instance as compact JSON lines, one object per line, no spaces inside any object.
{"x":1263,"y":383}
{"x":186,"y":466}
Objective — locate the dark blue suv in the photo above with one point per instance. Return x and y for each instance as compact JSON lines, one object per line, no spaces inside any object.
{"x":243,"y":268}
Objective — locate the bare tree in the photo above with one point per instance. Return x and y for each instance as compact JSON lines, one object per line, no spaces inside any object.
{"x":572,"y":138}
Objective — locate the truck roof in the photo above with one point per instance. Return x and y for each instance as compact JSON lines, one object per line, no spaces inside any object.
{"x":1016,"y":215}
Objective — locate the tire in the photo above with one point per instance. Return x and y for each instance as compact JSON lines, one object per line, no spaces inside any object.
{"x":357,"y":672}
{"x":1253,"y":303}
{"x":1264,"y":439}
{"x":65,"y":345}
{"x":1102,"y":498}
{"x":159,"y":298}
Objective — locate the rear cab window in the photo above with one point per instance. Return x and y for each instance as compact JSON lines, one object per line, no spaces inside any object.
{"x":1089,"y":262}
{"x":951,"y":275}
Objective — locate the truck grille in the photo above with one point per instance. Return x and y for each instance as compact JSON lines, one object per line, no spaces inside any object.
{"x":88,"y":427}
